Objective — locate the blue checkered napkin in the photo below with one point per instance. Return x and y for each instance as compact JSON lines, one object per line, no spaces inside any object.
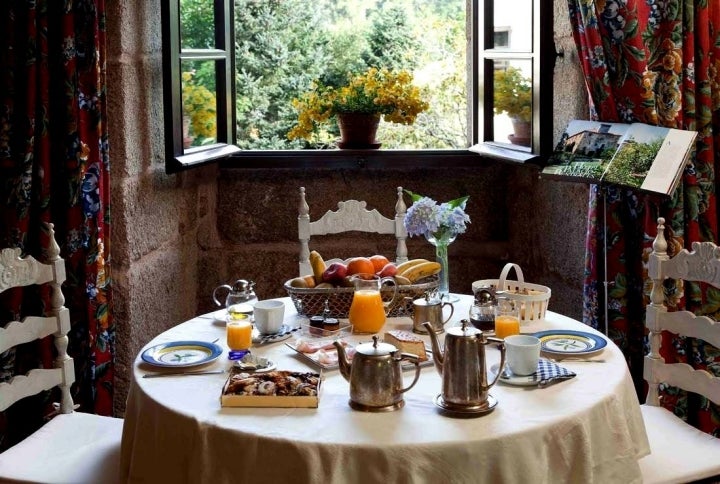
{"x":549,"y":371}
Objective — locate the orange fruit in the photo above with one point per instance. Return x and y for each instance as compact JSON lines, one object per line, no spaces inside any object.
{"x":379,"y":261}
{"x":356,"y":265}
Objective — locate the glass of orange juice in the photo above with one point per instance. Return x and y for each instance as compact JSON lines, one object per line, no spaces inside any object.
{"x":507,"y":318}
{"x":367,"y":310}
{"x":239,"y":336}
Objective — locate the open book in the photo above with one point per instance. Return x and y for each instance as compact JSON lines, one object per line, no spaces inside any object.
{"x":649,"y":158}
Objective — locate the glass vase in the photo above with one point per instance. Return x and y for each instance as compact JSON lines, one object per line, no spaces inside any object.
{"x":441,"y":243}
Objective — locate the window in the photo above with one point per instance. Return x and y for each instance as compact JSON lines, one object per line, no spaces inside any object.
{"x":207,"y":119}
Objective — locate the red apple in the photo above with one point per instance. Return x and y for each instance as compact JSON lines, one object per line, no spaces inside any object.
{"x":334,"y":273}
{"x":388,"y":270}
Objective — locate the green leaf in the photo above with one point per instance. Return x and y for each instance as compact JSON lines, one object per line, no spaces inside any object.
{"x":459,"y":202}
{"x":413,"y":196}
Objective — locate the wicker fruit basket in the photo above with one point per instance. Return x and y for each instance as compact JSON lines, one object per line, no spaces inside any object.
{"x":532,"y":298}
{"x":311,"y":302}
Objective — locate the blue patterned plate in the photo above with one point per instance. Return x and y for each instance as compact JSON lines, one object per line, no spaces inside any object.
{"x":564,"y":342}
{"x":181,"y":353}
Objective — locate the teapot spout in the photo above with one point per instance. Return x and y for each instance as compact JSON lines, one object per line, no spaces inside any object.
{"x":342,"y":360}
{"x":437,"y":353}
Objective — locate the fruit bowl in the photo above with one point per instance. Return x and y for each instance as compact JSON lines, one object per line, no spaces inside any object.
{"x":311,"y":301}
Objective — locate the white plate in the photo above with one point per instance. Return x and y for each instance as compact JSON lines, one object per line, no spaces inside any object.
{"x":562,"y":342}
{"x":328,"y":359}
{"x":181,"y":354}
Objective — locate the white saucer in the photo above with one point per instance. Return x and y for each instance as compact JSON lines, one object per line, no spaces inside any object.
{"x":263,"y":339}
{"x":509,"y":378}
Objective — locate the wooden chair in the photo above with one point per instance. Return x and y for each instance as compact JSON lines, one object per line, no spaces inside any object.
{"x":72,"y":447}
{"x":351,"y":215}
{"x":680,"y":452}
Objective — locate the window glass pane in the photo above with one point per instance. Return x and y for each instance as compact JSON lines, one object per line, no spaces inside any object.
{"x":199,"y":103}
{"x":282,"y":48}
{"x":513,"y":25}
{"x":512,"y":101}
{"x":197,"y":20}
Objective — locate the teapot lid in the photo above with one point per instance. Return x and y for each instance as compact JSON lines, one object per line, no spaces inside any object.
{"x":376,"y":348}
{"x":464,"y":330}
{"x":241,"y":285}
{"x":429,"y":299}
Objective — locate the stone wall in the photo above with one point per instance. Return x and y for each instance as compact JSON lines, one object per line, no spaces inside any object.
{"x":175,"y":237}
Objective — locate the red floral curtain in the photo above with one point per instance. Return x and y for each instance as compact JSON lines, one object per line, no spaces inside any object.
{"x":54,"y":168}
{"x":656,"y":62}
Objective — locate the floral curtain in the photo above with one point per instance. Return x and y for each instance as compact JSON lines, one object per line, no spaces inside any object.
{"x":656,"y":62}
{"x":54,"y":168}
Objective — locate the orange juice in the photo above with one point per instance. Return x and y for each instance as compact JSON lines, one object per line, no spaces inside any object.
{"x":239,"y":335}
{"x":506,"y":325}
{"x":367,"y":313}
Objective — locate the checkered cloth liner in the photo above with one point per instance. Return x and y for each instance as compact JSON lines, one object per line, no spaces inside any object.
{"x":549,"y":371}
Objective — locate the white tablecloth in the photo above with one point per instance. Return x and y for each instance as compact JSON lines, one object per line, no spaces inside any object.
{"x":587,"y":429}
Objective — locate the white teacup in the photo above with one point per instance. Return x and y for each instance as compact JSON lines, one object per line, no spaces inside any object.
{"x":269,"y":316}
{"x":523,"y":353}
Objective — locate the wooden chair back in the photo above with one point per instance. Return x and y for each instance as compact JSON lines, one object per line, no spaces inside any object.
{"x":351,"y":215}
{"x":702,"y":264}
{"x":17,"y":271}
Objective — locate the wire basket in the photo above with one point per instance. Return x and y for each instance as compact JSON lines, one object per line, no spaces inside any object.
{"x":311,"y":302}
{"x":532,"y":298}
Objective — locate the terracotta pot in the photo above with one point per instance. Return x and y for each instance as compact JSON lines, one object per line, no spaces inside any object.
{"x":357,"y":130}
{"x":522,"y":132}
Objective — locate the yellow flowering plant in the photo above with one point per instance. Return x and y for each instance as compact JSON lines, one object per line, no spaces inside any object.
{"x":199,"y":104}
{"x":391,"y":94}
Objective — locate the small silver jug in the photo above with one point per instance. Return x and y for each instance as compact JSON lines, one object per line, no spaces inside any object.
{"x":430,"y":309}
{"x":461,"y":365}
{"x":240,"y":297}
{"x":376,"y":376}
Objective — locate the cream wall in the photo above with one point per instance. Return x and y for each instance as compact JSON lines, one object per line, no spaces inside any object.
{"x":175,"y":237}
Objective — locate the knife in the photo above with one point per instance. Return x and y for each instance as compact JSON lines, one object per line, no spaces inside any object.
{"x":183,"y":373}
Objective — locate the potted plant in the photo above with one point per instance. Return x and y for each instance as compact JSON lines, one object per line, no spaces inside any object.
{"x":358,"y":106}
{"x":199,"y":112}
{"x":513,"y":95}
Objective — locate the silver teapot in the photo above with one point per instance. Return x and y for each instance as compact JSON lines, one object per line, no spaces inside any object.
{"x":376,"y":376}
{"x":461,"y":365}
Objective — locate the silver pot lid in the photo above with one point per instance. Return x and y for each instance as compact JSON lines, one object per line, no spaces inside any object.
{"x":376,"y":348}
{"x":465,"y":330}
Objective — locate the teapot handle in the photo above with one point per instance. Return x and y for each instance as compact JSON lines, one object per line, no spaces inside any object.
{"x":415,"y":360}
{"x":452,"y":310}
{"x":224,"y":286}
{"x":387,"y":304}
{"x":501,"y":345}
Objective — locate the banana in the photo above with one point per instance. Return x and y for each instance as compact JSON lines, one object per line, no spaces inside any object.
{"x":405,"y":266}
{"x":318,"y":265}
{"x":420,"y":271}
{"x":402,"y":281}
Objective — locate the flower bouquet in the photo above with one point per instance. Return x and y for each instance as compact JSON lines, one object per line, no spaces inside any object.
{"x":440,"y":225}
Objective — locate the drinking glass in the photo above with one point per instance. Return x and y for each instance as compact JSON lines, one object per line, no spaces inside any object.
{"x":507,"y":318}
{"x":239,"y":336}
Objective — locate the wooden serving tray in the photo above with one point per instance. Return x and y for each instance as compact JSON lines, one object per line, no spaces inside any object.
{"x":282,"y":381}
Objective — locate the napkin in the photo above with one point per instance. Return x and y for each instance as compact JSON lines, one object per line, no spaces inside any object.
{"x":550,"y":372}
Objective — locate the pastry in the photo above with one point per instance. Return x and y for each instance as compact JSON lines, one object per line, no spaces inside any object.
{"x":406,"y":342}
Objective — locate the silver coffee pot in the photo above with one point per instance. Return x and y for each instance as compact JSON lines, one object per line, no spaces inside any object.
{"x":461,"y":364}
{"x":430,"y":309}
{"x":376,"y":376}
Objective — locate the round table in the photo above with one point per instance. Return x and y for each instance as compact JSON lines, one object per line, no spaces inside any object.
{"x":586,"y":429}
